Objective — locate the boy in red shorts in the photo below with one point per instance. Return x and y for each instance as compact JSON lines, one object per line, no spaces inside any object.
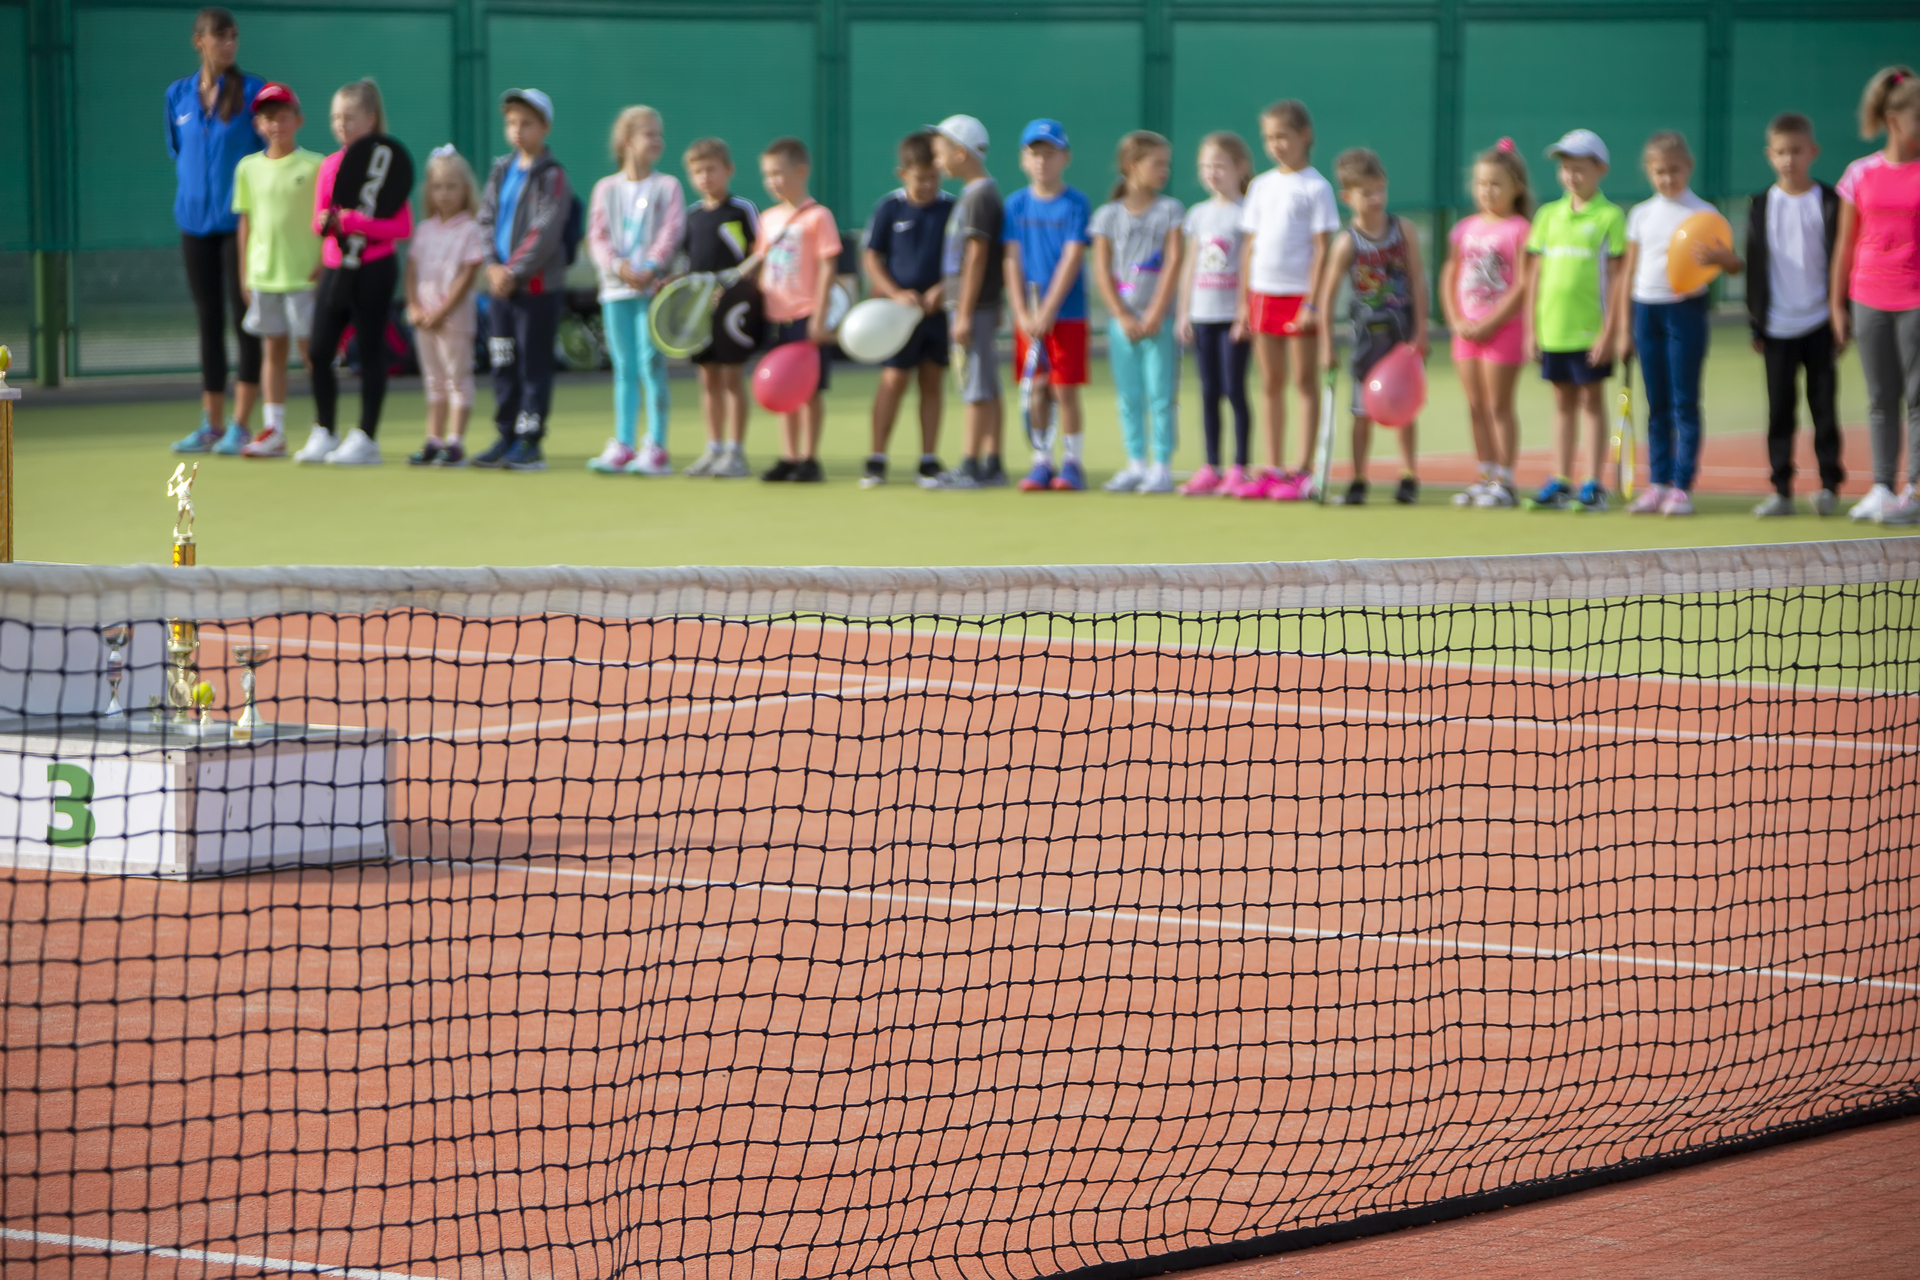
{"x":1046,"y":242}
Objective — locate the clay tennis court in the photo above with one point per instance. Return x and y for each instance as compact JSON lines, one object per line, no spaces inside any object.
{"x":728,"y":949}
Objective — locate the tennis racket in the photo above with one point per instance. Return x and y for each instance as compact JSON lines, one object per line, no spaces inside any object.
{"x":1623,"y":435}
{"x":1323,"y":447}
{"x":375,"y":177}
{"x":1039,"y":435}
{"x":680,"y":317}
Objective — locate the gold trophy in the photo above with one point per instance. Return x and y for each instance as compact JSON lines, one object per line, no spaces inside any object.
{"x":183,"y":703}
{"x":116,"y":638}
{"x":249,"y":654}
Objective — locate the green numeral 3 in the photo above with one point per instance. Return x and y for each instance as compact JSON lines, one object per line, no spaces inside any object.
{"x":72,"y":806}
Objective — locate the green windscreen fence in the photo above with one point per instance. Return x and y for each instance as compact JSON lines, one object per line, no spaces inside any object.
{"x":851,"y":86}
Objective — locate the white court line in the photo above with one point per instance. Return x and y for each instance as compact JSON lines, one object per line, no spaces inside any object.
{"x":204,"y":1255}
{"x":1185,"y":920}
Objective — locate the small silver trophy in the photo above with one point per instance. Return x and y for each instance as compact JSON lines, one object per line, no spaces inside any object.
{"x":116,"y":638}
{"x":249,"y":654}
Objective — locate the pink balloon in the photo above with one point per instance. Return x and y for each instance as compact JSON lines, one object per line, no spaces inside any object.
{"x":1396,"y":388}
{"x":787,"y":377}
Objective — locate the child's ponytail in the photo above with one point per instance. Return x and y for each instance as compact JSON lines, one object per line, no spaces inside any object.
{"x":1506,"y":157}
{"x":1891,"y":89}
{"x":1135,"y":146}
{"x":365,"y":94}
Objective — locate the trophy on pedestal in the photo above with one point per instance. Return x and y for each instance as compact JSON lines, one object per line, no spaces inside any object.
{"x":116,"y":639}
{"x":249,"y":654}
{"x":187,"y":695}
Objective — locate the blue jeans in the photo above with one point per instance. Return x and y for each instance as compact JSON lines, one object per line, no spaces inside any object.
{"x":1671,"y":338}
{"x":638,"y":368}
{"x":1146,"y":374}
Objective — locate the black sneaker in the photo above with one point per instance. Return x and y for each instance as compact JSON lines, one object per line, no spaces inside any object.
{"x":781,"y":470}
{"x":495,"y":454}
{"x":1408,"y":491}
{"x":525,"y":456}
{"x":451,"y":455}
{"x":429,"y":453}
{"x":1356,"y":495}
{"x":809,"y":472}
{"x":875,"y":475}
{"x":930,"y":470}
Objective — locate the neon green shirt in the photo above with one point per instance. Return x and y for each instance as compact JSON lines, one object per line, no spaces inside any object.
{"x":277,"y":197}
{"x":1576,"y":252}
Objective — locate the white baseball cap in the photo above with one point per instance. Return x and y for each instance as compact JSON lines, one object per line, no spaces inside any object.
{"x":531,"y":98}
{"x":965,"y":131}
{"x":1580,"y":142}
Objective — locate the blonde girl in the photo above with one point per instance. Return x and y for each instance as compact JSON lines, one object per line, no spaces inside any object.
{"x":1136,"y":267}
{"x":1483,"y":292}
{"x":1209,"y":297}
{"x":442,"y":265}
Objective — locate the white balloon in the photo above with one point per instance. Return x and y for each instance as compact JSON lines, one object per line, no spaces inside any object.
{"x":877,"y":328}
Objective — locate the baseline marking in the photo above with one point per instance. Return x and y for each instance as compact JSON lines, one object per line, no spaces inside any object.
{"x":205,"y":1255}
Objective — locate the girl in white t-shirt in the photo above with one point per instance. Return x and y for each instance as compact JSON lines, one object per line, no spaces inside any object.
{"x":1208,"y":307}
{"x":1669,"y":330}
{"x":444,"y":260}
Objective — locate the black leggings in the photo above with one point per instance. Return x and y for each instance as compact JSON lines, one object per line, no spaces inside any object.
{"x":1223,"y":372}
{"x":213,"y":276}
{"x":363,"y":298}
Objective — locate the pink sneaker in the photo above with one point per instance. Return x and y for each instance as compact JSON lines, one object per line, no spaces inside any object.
{"x":1294,"y":486}
{"x":1230,"y":482}
{"x":1206,"y":480}
{"x":1677,"y":503}
{"x":1260,"y":484}
{"x":1647,"y":501}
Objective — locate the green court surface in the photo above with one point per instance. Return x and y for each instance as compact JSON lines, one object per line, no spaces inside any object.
{"x":91,"y":485}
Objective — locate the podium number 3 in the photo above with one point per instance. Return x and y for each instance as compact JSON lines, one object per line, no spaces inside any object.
{"x":72,"y":806}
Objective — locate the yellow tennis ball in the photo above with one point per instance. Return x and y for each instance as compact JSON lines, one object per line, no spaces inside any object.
{"x":203,"y":694}
{"x":6,"y":360}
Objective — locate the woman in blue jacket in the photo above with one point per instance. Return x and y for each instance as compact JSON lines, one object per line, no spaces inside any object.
{"x":209,"y":128}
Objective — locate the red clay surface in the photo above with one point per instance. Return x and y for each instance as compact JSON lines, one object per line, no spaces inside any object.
{"x":865,"y":952}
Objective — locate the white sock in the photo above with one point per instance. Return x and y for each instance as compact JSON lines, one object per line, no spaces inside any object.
{"x":274,"y":415}
{"x":1070,"y":447}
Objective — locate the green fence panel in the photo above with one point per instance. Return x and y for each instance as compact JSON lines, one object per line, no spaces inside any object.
{"x":16,"y":213}
{"x":1775,"y":69}
{"x":1367,"y":84}
{"x":1533,"y":81}
{"x":1085,"y":74}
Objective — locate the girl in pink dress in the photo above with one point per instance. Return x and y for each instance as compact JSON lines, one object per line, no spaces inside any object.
{"x":1483,"y":291}
{"x":448,"y":248}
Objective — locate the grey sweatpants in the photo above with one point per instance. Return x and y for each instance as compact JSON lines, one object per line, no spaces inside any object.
{"x":1889,"y":343}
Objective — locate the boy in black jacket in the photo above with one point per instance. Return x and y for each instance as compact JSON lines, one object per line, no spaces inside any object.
{"x":1790,"y":231}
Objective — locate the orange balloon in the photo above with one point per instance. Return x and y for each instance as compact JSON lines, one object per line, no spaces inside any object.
{"x":1683,"y":272}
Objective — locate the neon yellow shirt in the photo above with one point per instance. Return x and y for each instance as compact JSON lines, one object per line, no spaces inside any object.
{"x":1576,"y":252}
{"x":277,"y":197}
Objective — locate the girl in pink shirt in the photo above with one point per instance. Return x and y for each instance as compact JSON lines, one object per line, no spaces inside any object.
{"x":442,"y":264}
{"x":1483,"y":291}
{"x":1876,"y":262}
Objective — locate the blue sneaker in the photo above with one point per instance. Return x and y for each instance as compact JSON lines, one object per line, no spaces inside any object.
{"x":1592,"y":497}
{"x":1038,"y":480}
{"x":1554,"y":495}
{"x":199,"y":440}
{"x":525,"y":456}
{"x":1071,"y":477}
{"x":231,"y":440}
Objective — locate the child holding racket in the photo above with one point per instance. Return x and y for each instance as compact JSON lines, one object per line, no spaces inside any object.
{"x":721,"y":228}
{"x":359,"y":272}
{"x":1289,"y":219}
{"x":634,"y":222}
{"x":443,"y":263}
{"x":798,"y":248}
{"x":1137,"y":247}
{"x":1209,"y":298}
{"x":1483,"y":293}
{"x":1045,"y":239}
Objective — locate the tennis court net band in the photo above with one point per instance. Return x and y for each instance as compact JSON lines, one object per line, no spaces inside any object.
{"x":717,"y":924}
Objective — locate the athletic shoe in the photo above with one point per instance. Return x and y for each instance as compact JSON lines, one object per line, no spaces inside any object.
{"x":358,"y":450}
{"x":1647,"y":501}
{"x":613,"y":459}
{"x":451,"y":455}
{"x":1825,"y":502}
{"x":1235,"y":477}
{"x":1159,"y":479}
{"x":231,"y":441}
{"x":198,"y":440}
{"x":524,"y":455}
{"x":270,"y":443}
{"x":652,"y":460}
{"x":808,"y":471}
{"x":1407,"y":492}
{"x":1868,"y":508}
{"x":1071,"y":478}
{"x":732,"y":466}
{"x":1204,"y":481}
{"x":1778,"y":504}
{"x":429,"y":452}
{"x":1127,"y":479}
{"x":1678,"y":502}
{"x":875,"y":474}
{"x":1593,"y":497}
{"x":964,"y":476}
{"x":780,"y":471}
{"x":1554,"y":495}
{"x":992,"y":475}
{"x":929,"y":476}
{"x":1038,"y":480}
{"x":1498,"y":493}
{"x":1470,"y":495}
{"x":1293,"y":486}
{"x":708,"y":461}
{"x":495,"y":454}
{"x":320,"y":443}
{"x":1259,"y":485}
{"x":1903,"y":510}
{"x":1356,"y":494}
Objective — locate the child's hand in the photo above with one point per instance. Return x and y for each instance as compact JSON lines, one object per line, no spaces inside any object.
{"x":1601,"y":352}
{"x":1842,"y":327}
{"x":416,"y":315}
{"x":960,"y":329}
{"x":1306,"y":319}
{"x":499,"y":281}
{"x":1421,"y":342}
{"x":1529,"y":349}
{"x":246,"y":295}
{"x":1716,"y":256}
{"x":1759,"y":347}
{"x":817,"y":332}
{"x":1237,"y":332}
{"x":911,"y":298}
{"x":1183,"y":332}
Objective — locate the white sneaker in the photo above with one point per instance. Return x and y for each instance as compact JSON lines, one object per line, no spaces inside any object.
{"x":732,"y":465}
{"x":1904,"y":509}
{"x":320,"y":443}
{"x":1868,"y":508}
{"x":1130,"y":478}
{"x":708,"y":460}
{"x":612,"y":460}
{"x":650,"y":461}
{"x":1469,"y":495}
{"x":1497,"y":493}
{"x":270,"y":443}
{"x":358,"y":450}
{"x":1159,"y":479}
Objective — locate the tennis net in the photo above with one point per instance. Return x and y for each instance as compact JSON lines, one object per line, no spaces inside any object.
{"x":728,"y":924}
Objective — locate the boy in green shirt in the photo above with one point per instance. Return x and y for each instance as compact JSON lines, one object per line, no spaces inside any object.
{"x":273,"y":194}
{"x":1577,"y":244}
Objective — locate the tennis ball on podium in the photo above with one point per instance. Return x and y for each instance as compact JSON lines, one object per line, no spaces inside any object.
{"x":203,"y":695}
{"x":6,"y":362}
{"x":1686,"y":273}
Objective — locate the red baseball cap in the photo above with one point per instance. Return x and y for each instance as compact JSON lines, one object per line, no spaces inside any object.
{"x":273,"y":91}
